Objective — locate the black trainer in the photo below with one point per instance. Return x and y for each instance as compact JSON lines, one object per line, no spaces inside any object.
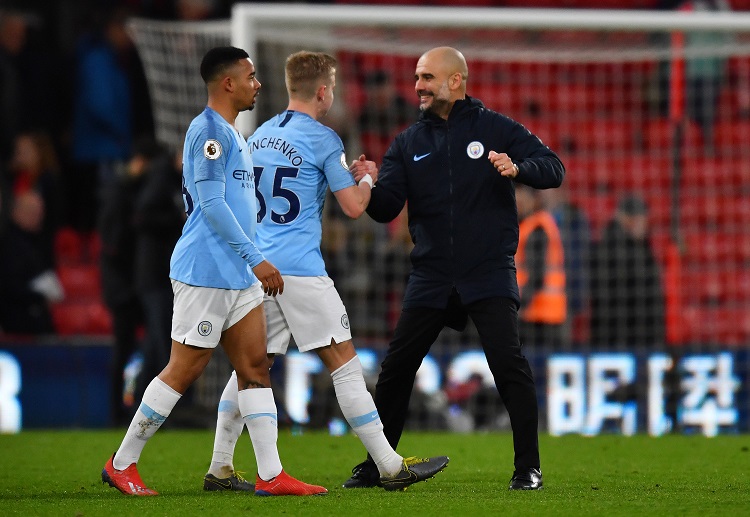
{"x":526,"y":479}
{"x":414,"y":470}
{"x":364,"y":475}
{"x":234,"y":482}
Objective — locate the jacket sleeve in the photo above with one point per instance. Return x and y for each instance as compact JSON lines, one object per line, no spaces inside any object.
{"x":538,"y":166}
{"x":389,"y":193}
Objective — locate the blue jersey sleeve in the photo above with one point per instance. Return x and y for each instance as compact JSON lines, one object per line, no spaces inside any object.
{"x":333,"y":161}
{"x":211,"y":160}
{"x":217,"y":212}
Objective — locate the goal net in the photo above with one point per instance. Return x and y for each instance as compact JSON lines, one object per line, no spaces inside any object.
{"x":649,"y":112}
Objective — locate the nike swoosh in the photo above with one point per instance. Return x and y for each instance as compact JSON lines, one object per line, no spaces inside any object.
{"x":221,"y":483}
{"x":417,"y":158}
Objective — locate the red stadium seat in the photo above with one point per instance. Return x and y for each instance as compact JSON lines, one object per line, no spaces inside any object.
{"x":731,"y":138}
{"x":658,"y":134}
{"x":716,"y":284}
{"x":80,"y":281}
{"x":723,"y":325}
{"x":710,"y":247}
{"x":89,"y":318}
{"x":69,"y":246}
{"x":714,"y":210}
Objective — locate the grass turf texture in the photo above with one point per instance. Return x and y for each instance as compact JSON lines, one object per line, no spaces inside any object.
{"x":58,"y":473}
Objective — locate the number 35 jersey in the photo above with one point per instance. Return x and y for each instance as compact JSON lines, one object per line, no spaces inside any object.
{"x":296,"y":159}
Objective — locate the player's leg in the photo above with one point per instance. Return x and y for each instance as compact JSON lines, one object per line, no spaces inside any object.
{"x":161,"y":395}
{"x":415,"y":332}
{"x":197,"y":312}
{"x":358,"y":407}
{"x":229,"y":424}
{"x":496,"y":320}
{"x":244,"y":341}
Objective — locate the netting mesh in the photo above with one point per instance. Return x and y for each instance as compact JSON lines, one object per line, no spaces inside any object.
{"x":604,"y":101}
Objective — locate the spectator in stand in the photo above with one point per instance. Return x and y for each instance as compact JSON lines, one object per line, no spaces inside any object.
{"x":627,"y":297}
{"x":385,"y":113}
{"x":34,"y":166}
{"x":28,"y":284}
{"x":117,"y":261}
{"x":158,"y":216}
{"x":541,"y":271}
{"x":108,"y":110}
{"x":575,"y":232}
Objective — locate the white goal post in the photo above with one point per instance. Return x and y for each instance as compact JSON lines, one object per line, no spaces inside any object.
{"x":254,"y":22}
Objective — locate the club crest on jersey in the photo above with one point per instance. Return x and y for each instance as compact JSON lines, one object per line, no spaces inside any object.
{"x":204,"y":328}
{"x":343,"y":161}
{"x":475,"y":150}
{"x":212,"y":149}
{"x":345,"y":321}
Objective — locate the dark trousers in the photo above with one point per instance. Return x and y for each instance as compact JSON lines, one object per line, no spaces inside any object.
{"x":496,"y":319}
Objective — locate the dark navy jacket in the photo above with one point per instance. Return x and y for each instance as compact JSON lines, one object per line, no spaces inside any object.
{"x":462,"y":212}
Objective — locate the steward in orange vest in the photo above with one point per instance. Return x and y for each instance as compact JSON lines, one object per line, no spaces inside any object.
{"x":539,"y":262}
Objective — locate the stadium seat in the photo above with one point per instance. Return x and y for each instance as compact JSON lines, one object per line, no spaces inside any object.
{"x":731,"y":138}
{"x":712,"y":325}
{"x":88,"y":318}
{"x":606,"y":136}
{"x":716,"y":284}
{"x":80,"y":281}
{"x":728,"y":249}
{"x":658,"y":133}
{"x":721,"y":211}
{"x":68,"y":246}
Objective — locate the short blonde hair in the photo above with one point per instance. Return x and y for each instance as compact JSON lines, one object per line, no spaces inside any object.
{"x":305,"y":71}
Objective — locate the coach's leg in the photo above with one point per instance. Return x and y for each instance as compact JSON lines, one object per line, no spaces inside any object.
{"x":496,"y":320}
{"x":416,"y":331}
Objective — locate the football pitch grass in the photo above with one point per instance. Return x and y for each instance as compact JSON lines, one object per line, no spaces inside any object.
{"x":58,"y":473}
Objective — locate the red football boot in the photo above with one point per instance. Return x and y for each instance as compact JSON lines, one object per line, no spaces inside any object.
{"x":127,"y":481}
{"x":284,"y":484}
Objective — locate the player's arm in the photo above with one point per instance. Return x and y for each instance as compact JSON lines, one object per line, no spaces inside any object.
{"x":222,"y":220}
{"x":354,"y":199}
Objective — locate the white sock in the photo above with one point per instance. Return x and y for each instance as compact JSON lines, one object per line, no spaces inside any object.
{"x":229,"y":425}
{"x":158,"y":401}
{"x":258,"y":410}
{"x":359,"y":410}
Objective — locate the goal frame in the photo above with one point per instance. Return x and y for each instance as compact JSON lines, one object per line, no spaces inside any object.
{"x":247,"y":17}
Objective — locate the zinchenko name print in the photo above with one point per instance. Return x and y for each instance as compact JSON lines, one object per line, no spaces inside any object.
{"x":281,"y":145}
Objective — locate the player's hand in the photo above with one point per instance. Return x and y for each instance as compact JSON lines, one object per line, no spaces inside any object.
{"x":503,"y":164}
{"x":270,"y":278}
{"x":362,"y":166}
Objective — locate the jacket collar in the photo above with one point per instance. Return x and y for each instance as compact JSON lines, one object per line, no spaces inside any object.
{"x":460,"y":108}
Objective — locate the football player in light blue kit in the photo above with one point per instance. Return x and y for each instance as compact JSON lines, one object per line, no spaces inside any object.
{"x":218,"y":277}
{"x":296,"y":159}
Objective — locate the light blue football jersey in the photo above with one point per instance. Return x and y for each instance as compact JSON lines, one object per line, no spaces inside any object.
{"x":214,"y":150}
{"x":296,"y":158}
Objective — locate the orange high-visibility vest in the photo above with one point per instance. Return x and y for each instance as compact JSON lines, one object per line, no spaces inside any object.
{"x":550,"y":304}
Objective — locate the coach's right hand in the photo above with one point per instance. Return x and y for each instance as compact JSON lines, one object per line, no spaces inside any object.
{"x":270,"y":278}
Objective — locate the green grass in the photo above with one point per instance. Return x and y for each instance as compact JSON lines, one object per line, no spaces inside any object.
{"x":58,"y":473}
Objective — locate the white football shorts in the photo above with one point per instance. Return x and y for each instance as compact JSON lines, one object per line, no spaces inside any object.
{"x":310,"y":310}
{"x":201,"y":314}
